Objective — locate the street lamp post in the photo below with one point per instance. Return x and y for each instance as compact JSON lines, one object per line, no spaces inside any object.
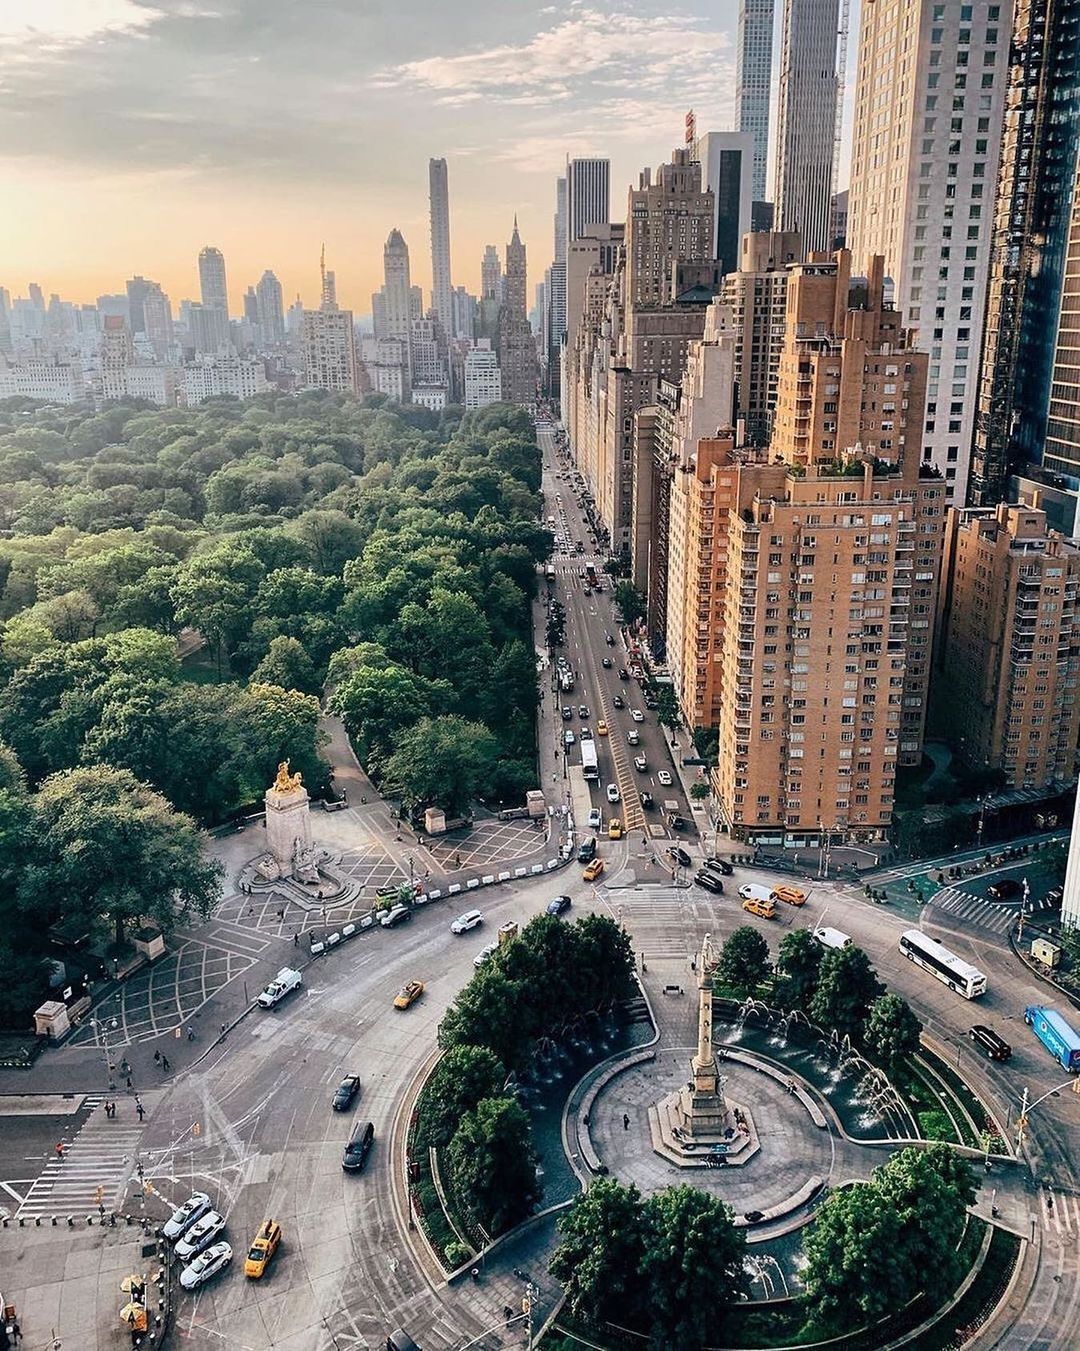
{"x":1027,"y":1107}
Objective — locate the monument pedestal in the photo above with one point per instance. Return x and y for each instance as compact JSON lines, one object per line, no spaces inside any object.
{"x":288,"y":822}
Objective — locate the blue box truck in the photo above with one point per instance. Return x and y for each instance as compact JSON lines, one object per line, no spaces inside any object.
{"x":1061,"y":1040}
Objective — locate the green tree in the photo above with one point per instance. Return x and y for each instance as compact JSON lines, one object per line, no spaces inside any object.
{"x":463,"y":1077}
{"x":288,"y":665}
{"x":847,"y":986}
{"x":744,"y":961}
{"x":443,"y":760}
{"x":699,"y":791}
{"x":110,"y":848}
{"x":493,"y":1164}
{"x":377,"y":704}
{"x":878,"y":1244}
{"x":691,"y":1245}
{"x":798,"y":964}
{"x":491,"y":1011}
{"x":630,"y":601}
{"x":892,"y":1033}
{"x":598,"y":1260}
{"x":667,"y":708}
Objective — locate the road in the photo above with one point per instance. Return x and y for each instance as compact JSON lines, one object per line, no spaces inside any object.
{"x":251,"y":1121}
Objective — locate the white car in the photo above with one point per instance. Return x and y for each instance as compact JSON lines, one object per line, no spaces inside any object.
{"x":632,"y":736}
{"x":663,"y":776}
{"x":201,"y":1234}
{"x":568,"y":738}
{"x":208,"y":1263}
{"x":469,"y":920}
{"x":596,"y":818}
{"x":485,"y":954}
{"x":637,"y":715}
{"x":640,"y":763}
{"x":613,"y":792}
{"x":198,"y":1203}
{"x":397,"y":914}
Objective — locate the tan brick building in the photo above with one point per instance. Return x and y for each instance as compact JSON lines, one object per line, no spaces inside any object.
{"x":1004,"y":689}
{"x":811,"y":576}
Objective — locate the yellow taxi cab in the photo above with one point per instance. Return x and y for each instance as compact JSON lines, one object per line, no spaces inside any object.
{"x":593,"y":871}
{"x":408,"y":994}
{"x":263,"y":1246}
{"x":766,"y":909}
{"x":791,"y":895}
{"x":601,"y":728}
{"x":614,"y":829}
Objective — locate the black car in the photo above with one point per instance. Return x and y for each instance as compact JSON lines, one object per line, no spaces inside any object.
{"x":647,"y":801}
{"x":994,"y":1046}
{"x":346,"y":1091}
{"x":1004,"y":890}
{"x":679,"y":855}
{"x":609,"y":638}
{"x":709,"y":881}
{"x":358,"y":1148}
{"x":587,"y":852}
{"x":720,"y":865}
{"x":624,"y":674}
{"x":559,"y":905}
{"x":617,"y":701}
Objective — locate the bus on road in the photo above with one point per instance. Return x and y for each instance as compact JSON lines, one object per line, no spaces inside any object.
{"x":589,"y":766}
{"x":936,"y":958}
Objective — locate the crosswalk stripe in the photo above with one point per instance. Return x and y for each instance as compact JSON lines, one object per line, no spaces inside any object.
{"x":100,"y":1155}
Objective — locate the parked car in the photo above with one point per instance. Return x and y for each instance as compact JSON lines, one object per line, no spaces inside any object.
{"x":613,"y":794}
{"x":568,"y":738}
{"x":345,"y":1092}
{"x":679,"y":855}
{"x":201,"y":1234}
{"x":593,"y":871}
{"x":409,"y":993}
{"x":1005,"y":890}
{"x":485,"y":954}
{"x":559,"y":905}
{"x":197,"y":1204}
{"x":469,"y":920}
{"x":358,"y":1147}
{"x":596,"y":818}
{"x":208,"y":1263}
{"x":663,"y":777}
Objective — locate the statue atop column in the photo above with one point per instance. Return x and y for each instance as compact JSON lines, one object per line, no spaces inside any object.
{"x":703,"y":1065}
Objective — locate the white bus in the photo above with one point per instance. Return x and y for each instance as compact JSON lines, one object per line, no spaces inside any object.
{"x":934,"y":957}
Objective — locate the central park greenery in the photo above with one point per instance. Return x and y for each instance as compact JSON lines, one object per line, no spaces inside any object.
{"x":178,"y":589}
{"x":538,"y":985}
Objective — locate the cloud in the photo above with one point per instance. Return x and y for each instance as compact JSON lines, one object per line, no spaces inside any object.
{"x":589,"y":46}
{"x":63,"y":22}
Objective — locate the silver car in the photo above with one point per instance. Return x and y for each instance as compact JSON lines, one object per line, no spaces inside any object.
{"x":208,"y":1263}
{"x":201,"y":1234}
{"x":197,"y":1204}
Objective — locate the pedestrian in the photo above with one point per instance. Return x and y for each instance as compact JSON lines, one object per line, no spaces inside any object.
{"x":190,"y":1033}
{"x":165,"y":1062}
{"x":129,"y":1081}
{"x":16,"y":1332}
{"x":224,"y":1028}
{"x":125,"y":1068}
{"x":281,"y":913}
{"x":141,"y":1111}
{"x":157,"y":1057}
{"x":625,"y":1122}
{"x":296,"y":940}
{"x":60,"y":1150}
{"x":693,"y":963}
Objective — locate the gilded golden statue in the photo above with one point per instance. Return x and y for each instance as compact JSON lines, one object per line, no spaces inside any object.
{"x":286,"y":782}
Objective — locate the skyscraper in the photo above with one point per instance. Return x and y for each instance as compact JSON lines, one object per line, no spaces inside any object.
{"x":251,"y":307}
{"x":517,"y":346}
{"x":212,"y":284}
{"x":491,"y":293}
{"x":327,"y":285}
{"x":1027,"y":260}
{"x":328,"y":350}
{"x":1062,"y":454}
{"x":396,"y":308}
{"x":806,"y":119}
{"x":928,"y":115}
{"x":753,"y":82}
{"x":157,"y":319}
{"x":727,"y":167}
{"x":271,"y":309}
{"x":556,"y":293}
{"x":136,"y":293}
{"x":441,"y":288}
{"x":588,"y":195}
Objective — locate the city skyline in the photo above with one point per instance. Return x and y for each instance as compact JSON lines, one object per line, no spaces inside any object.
{"x":106,"y":107}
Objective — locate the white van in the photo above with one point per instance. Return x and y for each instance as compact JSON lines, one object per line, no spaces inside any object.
{"x":750,"y":891}
{"x":283,"y":983}
{"x":832,"y":938}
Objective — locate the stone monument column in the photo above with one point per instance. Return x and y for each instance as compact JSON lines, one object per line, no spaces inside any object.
{"x":703,"y":1065}
{"x":288,"y":819}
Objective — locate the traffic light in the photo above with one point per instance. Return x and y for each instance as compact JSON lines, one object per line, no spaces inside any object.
{"x":196,"y":1129}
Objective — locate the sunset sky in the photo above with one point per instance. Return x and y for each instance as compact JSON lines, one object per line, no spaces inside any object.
{"x":132,"y":132}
